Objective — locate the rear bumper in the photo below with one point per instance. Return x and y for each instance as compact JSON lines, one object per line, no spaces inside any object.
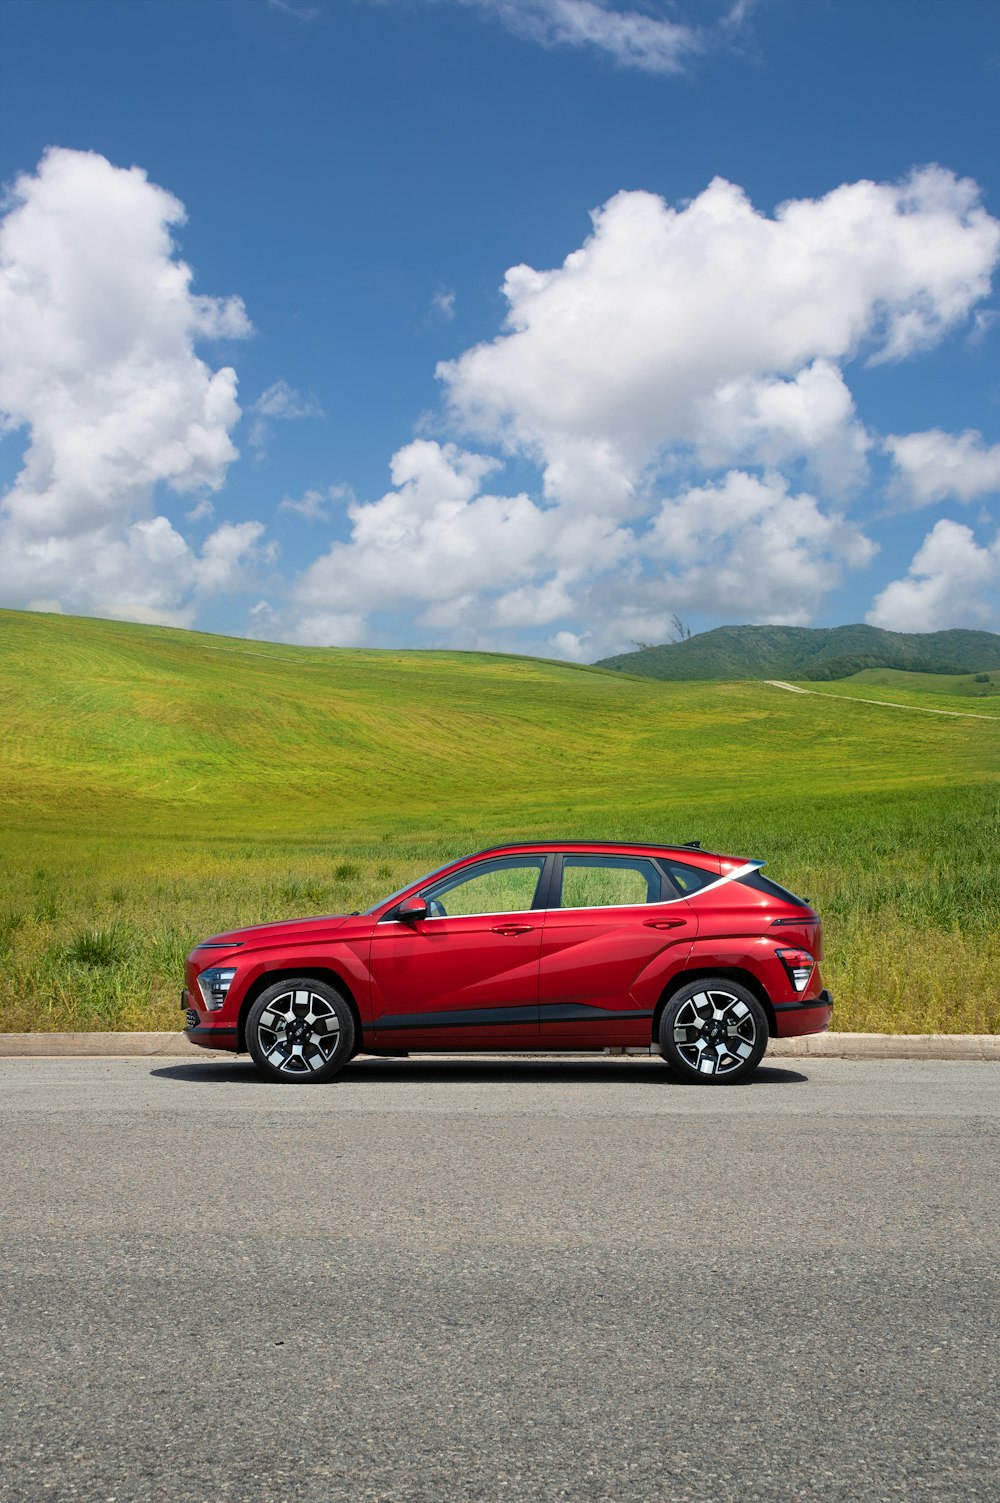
{"x":811,"y":1015}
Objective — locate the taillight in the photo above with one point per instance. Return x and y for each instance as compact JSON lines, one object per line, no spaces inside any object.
{"x":799,"y":965}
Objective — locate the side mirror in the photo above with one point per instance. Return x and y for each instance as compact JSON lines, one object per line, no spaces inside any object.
{"x":411,"y":910}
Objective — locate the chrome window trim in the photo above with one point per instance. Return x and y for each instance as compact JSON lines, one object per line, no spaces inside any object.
{"x":733,"y":876}
{"x":444,"y":918}
{"x":741,"y":871}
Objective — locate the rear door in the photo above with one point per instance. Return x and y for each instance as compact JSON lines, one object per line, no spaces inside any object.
{"x":615,"y":932}
{"x":466,"y":976}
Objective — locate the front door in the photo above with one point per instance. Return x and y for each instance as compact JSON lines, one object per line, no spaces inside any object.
{"x":615,"y":934}
{"x":465,"y":977}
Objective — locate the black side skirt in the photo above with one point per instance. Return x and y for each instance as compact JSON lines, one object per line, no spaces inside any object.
{"x":499,"y":1017}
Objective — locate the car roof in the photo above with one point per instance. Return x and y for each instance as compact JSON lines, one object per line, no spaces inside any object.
{"x":691,"y":848}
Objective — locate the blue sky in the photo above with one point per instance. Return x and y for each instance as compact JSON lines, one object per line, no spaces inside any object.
{"x":709,"y":410}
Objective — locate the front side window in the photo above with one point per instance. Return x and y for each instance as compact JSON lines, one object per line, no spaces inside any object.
{"x":609,"y":881}
{"x":492,"y":887}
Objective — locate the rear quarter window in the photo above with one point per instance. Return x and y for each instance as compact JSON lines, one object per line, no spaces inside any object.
{"x":760,"y":883}
{"x":688,"y":879}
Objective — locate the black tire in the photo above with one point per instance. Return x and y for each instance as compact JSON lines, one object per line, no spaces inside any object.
{"x":713,"y":1031}
{"x":300,"y":1031}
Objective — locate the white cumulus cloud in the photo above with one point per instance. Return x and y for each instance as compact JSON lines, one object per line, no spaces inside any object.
{"x":716,"y":327}
{"x":747,"y":547}
{"x":462,"y":559}
{"x":576,"y":646}
{"x":676,"y":341}
{"x":471,"y":563}
{"x":772,"y":421}
{"x":99,"y":368}
{"x":938,"y":466}
{"x":430,"y":540}
{"x":952,"y":581}
{"x":681,"y":382}
{"x":228,"y":552}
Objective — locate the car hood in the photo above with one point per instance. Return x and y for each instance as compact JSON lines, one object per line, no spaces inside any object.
{"x":285,"y":931}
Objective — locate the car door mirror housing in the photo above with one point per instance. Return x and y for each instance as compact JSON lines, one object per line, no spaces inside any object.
{"x":411,"y":910}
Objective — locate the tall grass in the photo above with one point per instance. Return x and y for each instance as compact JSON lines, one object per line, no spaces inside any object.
{"x":158,"y":787}
{"x":907,"y":884}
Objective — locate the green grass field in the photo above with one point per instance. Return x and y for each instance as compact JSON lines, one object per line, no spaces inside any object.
{"x":158,"y":786}
{"x":943,"y":691}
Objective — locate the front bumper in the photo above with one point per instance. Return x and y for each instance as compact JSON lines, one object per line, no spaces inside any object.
{"x":201,"y":1029}
{"x":810,"y":1015}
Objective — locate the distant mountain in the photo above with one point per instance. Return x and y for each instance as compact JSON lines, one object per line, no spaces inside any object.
{"x":805,"y":652}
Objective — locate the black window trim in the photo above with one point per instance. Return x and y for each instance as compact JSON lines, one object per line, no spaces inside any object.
{"x":668,"y":889}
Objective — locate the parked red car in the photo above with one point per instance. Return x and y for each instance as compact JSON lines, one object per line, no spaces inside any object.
{"x":556,"y":945}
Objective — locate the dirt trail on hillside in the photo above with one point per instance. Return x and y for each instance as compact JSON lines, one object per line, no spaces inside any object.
{"x":890,"y":704}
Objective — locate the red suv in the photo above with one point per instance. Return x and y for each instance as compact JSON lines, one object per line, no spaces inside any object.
{"x":555,"y":945}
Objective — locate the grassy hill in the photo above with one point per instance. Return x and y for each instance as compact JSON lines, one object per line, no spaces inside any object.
{"x":801,"y":652}
{"x":943,"y":691}
{"x":158,"y":785}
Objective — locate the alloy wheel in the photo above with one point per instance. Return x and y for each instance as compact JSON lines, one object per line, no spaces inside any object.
{"x":298,"y":1032}
{"x":714,"y":1032}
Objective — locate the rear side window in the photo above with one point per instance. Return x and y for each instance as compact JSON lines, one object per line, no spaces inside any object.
{"x":760,"y":883}
{"x":609,"y":881}
{"x":688,"y":879}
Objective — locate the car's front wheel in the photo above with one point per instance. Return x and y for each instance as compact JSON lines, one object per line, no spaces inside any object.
{"x":300,"y":1030}
{"x":713,"y":1031}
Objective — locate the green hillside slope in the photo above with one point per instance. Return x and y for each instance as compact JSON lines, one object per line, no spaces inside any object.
{"x":794,"y":652}
{"x":959,"y":693}
{"x":943,"y":686}
{"x":159,"y":785}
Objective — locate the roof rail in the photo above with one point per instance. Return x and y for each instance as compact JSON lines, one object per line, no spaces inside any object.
{"x":641,"y":845}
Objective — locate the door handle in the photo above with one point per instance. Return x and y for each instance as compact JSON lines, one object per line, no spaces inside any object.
{"x":510,"y":929}
{"x":664,"y":923}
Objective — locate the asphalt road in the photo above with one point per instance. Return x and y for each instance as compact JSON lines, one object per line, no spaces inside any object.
{"x":539,"y":1280}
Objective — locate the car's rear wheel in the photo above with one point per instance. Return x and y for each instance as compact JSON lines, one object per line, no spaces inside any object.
{"x":713,"y":1031}
{"x":300,"y":1030}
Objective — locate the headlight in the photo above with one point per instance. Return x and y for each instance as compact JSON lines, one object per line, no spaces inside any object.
{"x":214,"y":984}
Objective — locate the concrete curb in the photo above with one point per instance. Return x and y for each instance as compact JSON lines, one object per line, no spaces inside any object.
{"x":982,"y":1046}
{"x":105,"y":1045}
{"x":890,"y":1046}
